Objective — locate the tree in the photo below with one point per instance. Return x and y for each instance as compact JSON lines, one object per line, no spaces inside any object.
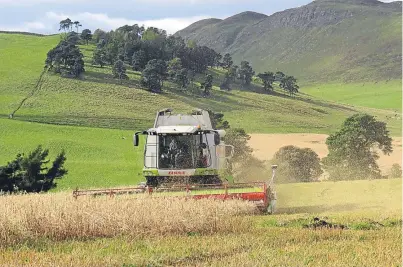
{"x":30,"y":173}
{"x":297,"y":164}
{"x":154,"y":74}
{"x":65,"y":25}
{"x":351,"y":149}
{"x":227,"y":61}
{"x":174,"y":67}
{"x":99,"y":35}
{"x":139,"y":60}
{"x":279,"y":76}
{"x":72,"y":38}
{"x":229,"y":78}
{"x":217,"y":120}
{"x":289,"y":84}
{"x":99,"y":57}
{"x":246,"y":73}
{"x":396,"y":171}
{"x":119,"y":70}
{"x":86,"y":35}
{"x":182,"y":78}
{"x":207,"y":85}
{"x":65,"y":58}
{"x":77,"y":25}
{"x":268,"y":79}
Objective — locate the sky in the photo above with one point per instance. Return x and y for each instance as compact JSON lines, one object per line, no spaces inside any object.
{"x":43,"y":16}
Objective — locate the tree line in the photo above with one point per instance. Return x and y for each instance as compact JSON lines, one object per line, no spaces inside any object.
{"x":158,"y":56}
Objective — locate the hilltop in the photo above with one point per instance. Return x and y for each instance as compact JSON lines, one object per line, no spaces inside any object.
{"x":324,"y":41}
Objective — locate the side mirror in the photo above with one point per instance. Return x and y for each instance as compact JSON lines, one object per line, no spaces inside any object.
{"x":217,"y":140}
{"x":136,"y":140}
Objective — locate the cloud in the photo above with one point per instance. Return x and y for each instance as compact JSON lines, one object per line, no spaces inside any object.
{"x":103,"y":21}
{"x":32,"y":2}
{"x":49,"y":23}
{"x":25,"y":27}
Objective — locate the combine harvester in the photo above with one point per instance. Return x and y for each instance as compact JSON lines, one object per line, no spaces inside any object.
{"x":184,"y":156}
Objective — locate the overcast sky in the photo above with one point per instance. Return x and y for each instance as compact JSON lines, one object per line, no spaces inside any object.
{"x":43,"y":16}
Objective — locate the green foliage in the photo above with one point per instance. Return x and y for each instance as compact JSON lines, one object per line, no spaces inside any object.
{"x":77,"y":24}
{"x":396,"y":171}
{"x":99,"y":57}
{"x":174,"y":67}
{"x":229,"y":77}
{"x":227,"y":61}
{"x":86,"y":35}
{"x":72,"y":38}
{"x":246,"y":73}
{"x":139,"y":60}
{"x":99,"y":35}
{"x":66,"y":25}
{"x":268,"y":78}
{"x":65,"y":57}
{"x":177,"y":73}
{"x":30,"y":174}
{"x":153,"y":33}
{"x":154,"y":74}
{"x":297,"y":165}
{"x":217,"y":120}
{"x":119,"y":70}
{"x":351,"y":149}
{"x":207,"y":85}
{"x":289,"y":84}
{"x":279,"y":76}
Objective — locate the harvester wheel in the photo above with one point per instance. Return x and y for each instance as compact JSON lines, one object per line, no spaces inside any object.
{"x":152,"y":181}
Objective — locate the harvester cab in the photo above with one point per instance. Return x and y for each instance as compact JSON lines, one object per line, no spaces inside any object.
{"x":184,"y":149}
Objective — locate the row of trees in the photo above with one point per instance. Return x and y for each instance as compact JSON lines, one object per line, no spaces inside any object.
{"x":351,"y":154}
{"x":157,"y":56}
{"x":245,"y":74}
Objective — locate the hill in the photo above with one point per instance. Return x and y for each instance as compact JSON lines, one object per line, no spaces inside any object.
{"x":98,"y":100}
{"x":343,"y":41}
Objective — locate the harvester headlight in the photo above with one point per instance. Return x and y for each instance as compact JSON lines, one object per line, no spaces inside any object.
{"x":147,"y":173}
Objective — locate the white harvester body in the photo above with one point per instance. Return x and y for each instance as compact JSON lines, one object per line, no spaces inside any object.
{"x":184,"y":146}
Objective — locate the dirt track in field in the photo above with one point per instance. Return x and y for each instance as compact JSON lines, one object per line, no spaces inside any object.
{"x":265,"y":145}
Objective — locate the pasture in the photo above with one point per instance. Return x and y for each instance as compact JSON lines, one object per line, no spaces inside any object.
{"x":98,"y":100}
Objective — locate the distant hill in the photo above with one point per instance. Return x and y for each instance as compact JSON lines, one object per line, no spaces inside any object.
{"x":326,"y":40}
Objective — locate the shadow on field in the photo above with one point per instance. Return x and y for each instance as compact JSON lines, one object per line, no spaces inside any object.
{"x":316,"y":209}
{"x":107,"y":78}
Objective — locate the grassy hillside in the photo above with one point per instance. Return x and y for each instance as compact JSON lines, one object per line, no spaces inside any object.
{"x":370,"y":209}
{"x":101,"y":101}
{"x":325,"y":41}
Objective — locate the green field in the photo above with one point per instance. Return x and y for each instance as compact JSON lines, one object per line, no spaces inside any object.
{"x":371,"y":211}
{"x":380,"y":95}
{"x":95,"y":157}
